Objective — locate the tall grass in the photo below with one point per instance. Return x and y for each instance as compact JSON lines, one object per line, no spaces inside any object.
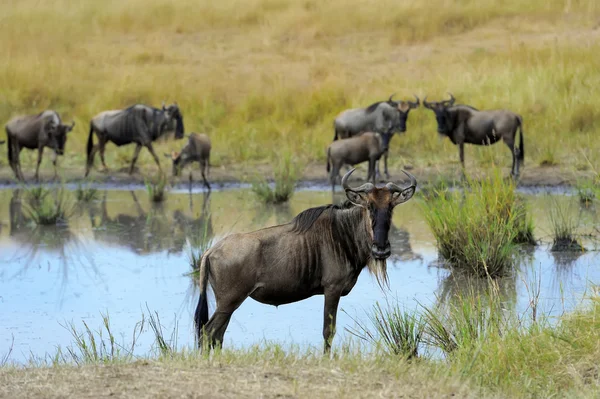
{"x":48,"y":207}
{"x":399,"y":332}
{"x":476,"y":229}
{"x":98,"y":346}
{"x":587,"y":191}
{"x":465,"y":322}
{"x":286,"y":175}
{"x":301,"y":76}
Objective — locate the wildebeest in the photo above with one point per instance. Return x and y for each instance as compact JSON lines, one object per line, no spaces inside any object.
{"x":465,"y":124}
{"x":382,"y":117}
{"x":366,"y":147}
{"x":139,"y":124}
{"x":197,"y":149}
{"x":320,"y":252}
{"x":36,"y":132}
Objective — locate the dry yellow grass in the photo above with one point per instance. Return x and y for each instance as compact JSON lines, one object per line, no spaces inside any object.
{"x":259,"y":75}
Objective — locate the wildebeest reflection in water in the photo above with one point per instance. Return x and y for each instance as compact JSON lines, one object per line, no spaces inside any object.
{"x":145,"y":232}
{"x":33,"y":238}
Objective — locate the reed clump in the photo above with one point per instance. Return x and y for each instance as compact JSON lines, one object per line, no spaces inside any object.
{"x":48,"y":206}
{"x":85,"y":192}
{"x":156,"y":188}
{"x":286,"y":175}
{"x":564,"y":223}
{"x":477,"y":229}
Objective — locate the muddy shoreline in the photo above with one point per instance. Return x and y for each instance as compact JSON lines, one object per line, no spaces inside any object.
{"x":313,"y":176}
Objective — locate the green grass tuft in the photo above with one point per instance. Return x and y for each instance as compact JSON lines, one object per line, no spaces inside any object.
{"x":286,"y":175}
{"x":48,"y":207}
{"x":399,"y":332}
{"x":157,"y":188}
{"x":476,"y":229}
{"x":565,"y":224}
{"x":86,"y":193}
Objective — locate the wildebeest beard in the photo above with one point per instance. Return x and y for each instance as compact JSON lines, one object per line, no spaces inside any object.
{"x":304,"y":221}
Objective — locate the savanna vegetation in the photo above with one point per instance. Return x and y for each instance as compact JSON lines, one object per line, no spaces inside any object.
{"x":484,"y":354}
{"x":264,"y":75}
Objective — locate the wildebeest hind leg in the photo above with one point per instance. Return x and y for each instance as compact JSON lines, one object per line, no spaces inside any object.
{"x":151,"y":149}
{"x":216,"y":326}
{"x":136,"y":153}
{"x":101,"y":147}
{"x":514,"y":170}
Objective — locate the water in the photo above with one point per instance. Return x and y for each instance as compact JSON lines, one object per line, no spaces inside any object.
{"x":122,"y":255}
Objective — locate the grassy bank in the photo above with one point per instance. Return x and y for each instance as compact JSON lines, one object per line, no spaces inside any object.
{"x":534,"y":359}
{"x":262,"y":75}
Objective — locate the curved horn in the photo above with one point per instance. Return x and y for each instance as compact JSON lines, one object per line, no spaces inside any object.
{"x":367,"y":187}
{"x":414,"y":105}
{"x":73,"y":124}
{"x":425,"y":103}
{"x":451,"y":101}
{"x":390,"y":99}
{"x":395,"y":188}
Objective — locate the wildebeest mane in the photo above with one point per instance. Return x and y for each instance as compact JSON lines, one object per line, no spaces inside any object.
{"x":305,"y":219}
{"x":373,"y":107}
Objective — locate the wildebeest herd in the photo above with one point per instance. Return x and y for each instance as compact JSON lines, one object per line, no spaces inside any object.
{"x":322,"y":250}
{"x":360,"y":134}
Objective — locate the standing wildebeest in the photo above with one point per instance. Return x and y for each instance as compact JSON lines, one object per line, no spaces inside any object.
{"x":368,"y":146}
{"x":464,"y":124}
{"x":382,"y":117}
{"x":139,"y":124}
{"x":196,"y":149}
{"x":321,"y":252}
{"x":36,"y":132}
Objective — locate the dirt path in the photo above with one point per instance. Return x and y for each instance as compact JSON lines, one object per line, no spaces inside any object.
{"x":144,"y":379}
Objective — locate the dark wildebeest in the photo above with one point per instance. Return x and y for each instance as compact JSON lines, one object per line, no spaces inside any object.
{"x":320,"y":252}
{"x":197,"y":149}
{"x":382,"y":117}
{"x":368,"y":146}
{"x":465,"y":124}
{"x":36,"y":132}
{"x":139,"y":124}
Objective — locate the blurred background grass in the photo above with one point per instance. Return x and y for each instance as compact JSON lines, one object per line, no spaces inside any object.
{"x":262,"y":75}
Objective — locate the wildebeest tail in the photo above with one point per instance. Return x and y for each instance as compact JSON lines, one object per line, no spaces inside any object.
{"x":521,"y":156}
{"x":201,"y":315}
{"x":90,"y":143}
{"x":328,"y":159}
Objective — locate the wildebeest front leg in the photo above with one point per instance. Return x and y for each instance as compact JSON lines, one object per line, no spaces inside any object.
{"x":39,"y":161}
{"x":461,"y":154}
{"x":136,"y":153}
{"x":54,"y":159}
{"x":329,"y":317}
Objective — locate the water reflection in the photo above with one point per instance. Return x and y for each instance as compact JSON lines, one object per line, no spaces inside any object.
{"x":144,"y":232}
{"x":34,"y":243}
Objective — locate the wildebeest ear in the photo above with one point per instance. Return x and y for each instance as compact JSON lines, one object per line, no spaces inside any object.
{"x":163,"y":106}
{"x":402,"y":196}
{"x":359,"y":199}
